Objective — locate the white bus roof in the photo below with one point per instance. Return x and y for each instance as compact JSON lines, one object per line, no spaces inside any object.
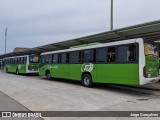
{"x":96,"y":46}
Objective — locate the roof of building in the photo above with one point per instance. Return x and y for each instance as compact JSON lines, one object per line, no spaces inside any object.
{"x":19,"y":49}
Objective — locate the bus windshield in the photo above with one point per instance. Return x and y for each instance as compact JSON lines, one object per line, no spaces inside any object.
{"x":33,"y":59}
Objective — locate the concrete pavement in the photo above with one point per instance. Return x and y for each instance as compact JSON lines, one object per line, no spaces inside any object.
{"x":38,"y":94}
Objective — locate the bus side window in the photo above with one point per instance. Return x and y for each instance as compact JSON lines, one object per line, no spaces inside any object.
{"x":93,"y":55}
{"x":74,"y":57}
{"x":55,"y":58}
{"x":59,"y":57}
{"x":25,"y":60}
{"x":123,"y":54}
{"x":22,"y":60}
{"x":14,"y":60}
{"x":50,"y":59}
{"x":42,"y":60}
{"x":101,"y":55}
{"x":47,"y":59}
{"x":10,"y":61}
{"x":65,"y":58}
{"x":111,"y":55}
{"x":132,"y":53}
{"x":89,"y":56}
{"x":18,"y":60}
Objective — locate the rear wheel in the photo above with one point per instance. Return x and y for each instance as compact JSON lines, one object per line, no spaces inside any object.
{"x":48,"y":75}
{"x":87,"y":80}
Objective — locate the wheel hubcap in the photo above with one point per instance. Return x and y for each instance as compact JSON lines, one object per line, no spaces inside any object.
{"x":86,"y":81}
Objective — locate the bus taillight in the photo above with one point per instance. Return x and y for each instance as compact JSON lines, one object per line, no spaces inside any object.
{"x":144,"y":71}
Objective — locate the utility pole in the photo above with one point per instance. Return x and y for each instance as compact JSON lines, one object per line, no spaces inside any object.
{"x":5,"y":40}
{"x":111,"y":15}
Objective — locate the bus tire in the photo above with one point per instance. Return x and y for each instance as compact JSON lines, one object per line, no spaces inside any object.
{"x":87,"y":80}
{"x":17,"y":72}
{"x":48,"y":75}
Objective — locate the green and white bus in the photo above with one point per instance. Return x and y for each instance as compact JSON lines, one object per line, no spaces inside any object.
{"x":130,"y":62}
{"x":21,"y":64}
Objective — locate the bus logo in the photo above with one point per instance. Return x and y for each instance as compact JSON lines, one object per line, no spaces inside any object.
{"x":87,"y":67}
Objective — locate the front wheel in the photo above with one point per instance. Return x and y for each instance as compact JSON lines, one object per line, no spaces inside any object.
{"x":87,"y":80}
{"x":48,"y":75}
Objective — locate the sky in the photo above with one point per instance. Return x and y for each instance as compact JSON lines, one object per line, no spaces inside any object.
{"x":33,"y":23}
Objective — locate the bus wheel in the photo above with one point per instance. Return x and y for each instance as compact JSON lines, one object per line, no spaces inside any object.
{"x":87,"y":80}
{"x":48,"y":75}
{"x":17,"y":72}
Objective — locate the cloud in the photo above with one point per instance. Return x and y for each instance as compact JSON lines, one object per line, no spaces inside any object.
{"x":37,"y":22}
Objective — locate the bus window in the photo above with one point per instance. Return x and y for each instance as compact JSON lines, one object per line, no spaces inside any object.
{"x":101,"y":55}
{"x":47,"y":59}
{"x":111,"y":55}
{"x":25,"y":60}
{"x":19,"y":60}
{"x":12,"y":60}
{"x":15,"y":60}
{"x":64,"y":58}
{"x":74,"y":57}
{"x":42,"y":60}
{"x":123,"y":54}
{"x":67,"y":57}
{"x":89,"y":55}
{"x":59,"y":57}
{"x":132,"y":53}
{"x":9,"y":61}
{"x":50,"y":59}
{"x":22,"y":61}
{"x":55,"y":58}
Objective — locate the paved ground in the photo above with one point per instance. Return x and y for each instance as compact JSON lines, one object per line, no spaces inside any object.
{"x":9,"y":104}
{"x":38,"y":94}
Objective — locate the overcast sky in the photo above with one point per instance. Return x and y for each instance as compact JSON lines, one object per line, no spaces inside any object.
{"x":33,"y":23}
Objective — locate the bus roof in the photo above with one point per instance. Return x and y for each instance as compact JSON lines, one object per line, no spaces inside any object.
{"x":137,"y":40}
{"x":150,"y":31}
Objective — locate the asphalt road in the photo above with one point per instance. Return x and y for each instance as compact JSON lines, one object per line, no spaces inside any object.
{"x":33,"y":93}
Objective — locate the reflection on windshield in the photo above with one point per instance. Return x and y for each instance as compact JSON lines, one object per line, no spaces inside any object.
{"x":150,"y":49}
{"x":33,"y":59}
